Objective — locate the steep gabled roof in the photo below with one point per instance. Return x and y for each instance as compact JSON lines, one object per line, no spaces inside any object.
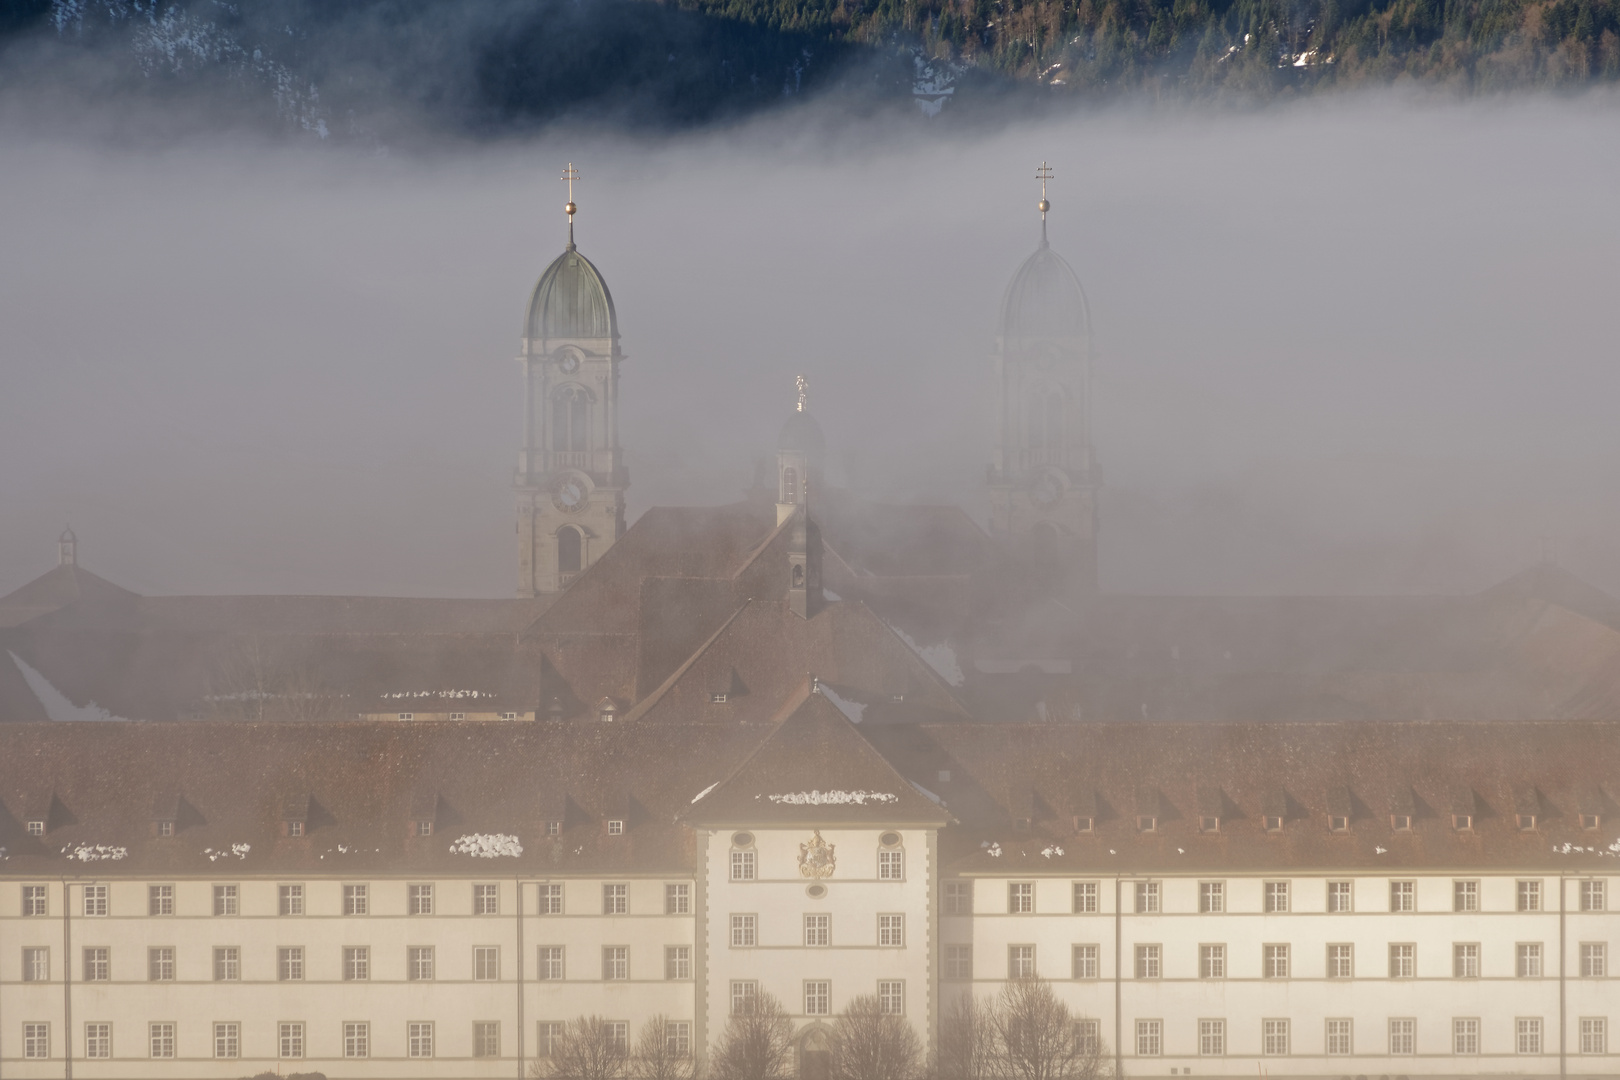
{"x":56,"y":589}
{"x":815,"y":769}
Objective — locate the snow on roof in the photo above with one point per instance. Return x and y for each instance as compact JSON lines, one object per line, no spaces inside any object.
{"x":487,"y":845}
{"x":832,"y":798}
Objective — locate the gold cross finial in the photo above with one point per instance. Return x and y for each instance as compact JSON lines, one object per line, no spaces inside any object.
{"x":803,"y":384}
{"x":570,"y":174}
{"x":1043,"y":174}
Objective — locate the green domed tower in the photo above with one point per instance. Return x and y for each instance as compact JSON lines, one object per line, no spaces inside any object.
{"x":570,"y":476}
{"x":1042,"y":485}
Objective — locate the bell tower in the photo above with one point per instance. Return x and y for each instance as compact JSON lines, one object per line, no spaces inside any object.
{"x":1042,"y":480}
{"x":570,"y":477}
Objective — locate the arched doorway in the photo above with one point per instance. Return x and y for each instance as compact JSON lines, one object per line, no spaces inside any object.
{"x":815,"y":1055}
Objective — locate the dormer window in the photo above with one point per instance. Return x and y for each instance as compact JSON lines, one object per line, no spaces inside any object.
{"x":295,"y":828}
{"x":424,"y":827}
{"x":1338,"y":823}
{"x":615,"y":827}
{"x":1272,"y":822}
{"x":407,"y":716}
{"x":1590,"y":821}
{"x":165,"y":828}
{"x":718,"y":699}
{"x":606,"y":710}
{"x":553,"y":828}
{"x":1527,"y":822}
{"x":1084,"y":823}
{"x":1146,"y":823}
{"x":36,"y":828}
{"x":1462,"y":822}
{"x":897,"y":699}
{"x":458,"y":716}
{"x":508,"y":716}
{"x":1209,"y":823}
{"x":1400,"y":822}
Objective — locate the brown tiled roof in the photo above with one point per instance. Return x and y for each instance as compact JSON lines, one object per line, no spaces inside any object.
{"x":56,"y":589}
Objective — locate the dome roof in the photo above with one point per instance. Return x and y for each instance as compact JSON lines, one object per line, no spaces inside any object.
{"x":571,"y":301}
{"x":801,"y":434}
{"x":1045,"y":299}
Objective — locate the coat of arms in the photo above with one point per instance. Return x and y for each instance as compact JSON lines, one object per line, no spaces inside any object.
{"x":816,"y":859}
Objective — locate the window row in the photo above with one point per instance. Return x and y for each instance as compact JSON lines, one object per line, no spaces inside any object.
{"x":1146,"y":897}
{"x":677,"y":1037}
{"x":1526,"y":1036}
{"x":161,"y":1039}
{"x":817,"y":926}
{"x":891,"y":858}
{"x":420,"y":899}
{"x":891,"y":996}
{"x":1276,"y":961}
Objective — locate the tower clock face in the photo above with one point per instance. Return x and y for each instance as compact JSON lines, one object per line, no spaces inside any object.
{"x":1046,"y":490}
{"x":570,"y":495}
{"x":569,"y":363}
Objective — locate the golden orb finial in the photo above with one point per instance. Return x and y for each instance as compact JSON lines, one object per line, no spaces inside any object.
{"x":570,"y":174}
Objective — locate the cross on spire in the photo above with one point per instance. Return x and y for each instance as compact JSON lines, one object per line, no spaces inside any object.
{"x":570,"y":174}
{"x":1043,"y":174}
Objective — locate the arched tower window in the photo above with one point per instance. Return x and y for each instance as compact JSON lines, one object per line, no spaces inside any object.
{"x":1046,"y":421}
{"x":570,"y":412}
{"x":790,"y":485}
{"x":569,"y":553}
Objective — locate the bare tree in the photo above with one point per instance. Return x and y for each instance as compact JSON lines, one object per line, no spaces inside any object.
{"x":757,"y":1043}
{"x":967,"y":1041}
{"x":1039,"y":1038}
{"x":589,"y":1048}
{"x":870,"y":1044}
{"x":658,"y":1056}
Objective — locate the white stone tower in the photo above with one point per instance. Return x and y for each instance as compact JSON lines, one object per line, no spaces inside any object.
{"x":570,"y":476}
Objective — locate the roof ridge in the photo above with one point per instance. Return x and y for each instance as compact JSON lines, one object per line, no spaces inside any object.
{"x":763,"y":544}
{"x":642,"y":707}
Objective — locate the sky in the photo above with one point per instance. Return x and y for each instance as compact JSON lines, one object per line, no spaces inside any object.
{"x":1359,"y":344}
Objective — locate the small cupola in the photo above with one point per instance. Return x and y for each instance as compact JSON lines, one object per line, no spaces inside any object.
{"x":67,"y":549}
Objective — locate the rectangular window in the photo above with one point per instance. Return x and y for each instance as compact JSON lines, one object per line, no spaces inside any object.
{"x":616,"y":827}
{"x":95,"y":901}
{"x":1147,"y":961}
{"x":1528,"y":1031}
{"x":36,"y":1040}
{"x":1403,"y":961}
{"x":1088,"y":1037}
{"x":618,"y":1036}
{"x":1147,"y":897}
{"x":892,"y":998}
{"x":1465,"y":961}
{"x":356,"y":1039}
{"x":1212,"y":1038}
{"x":1593,"y":896}
{"x":420,"y":899}
{"x":1274,"y":961}
{"x":1211,"y":896}
{"x":1403,"y":896}
{"x":678,"y":899}
{"x":1338,"y":1037}
{"x":678,"y":1038}
{"x":1085,"y":962}
{"x":161,"y":1039}
{"x":1274,"y":1037}
{"x":34,"y":900}
{"x":228,"y":1040}
{"x":486,"y":963}
{"x":1212,"y":961}
{"x":615,"y":963}
{"x":1341,"y":961}
{"x":1020,"y":897}
{"x":817,"y":931}
{"x":1465,"y":1036}
{"x":290,"y":964}
{"x":1149,"y":1038}
{"x":290,"y":1039}
{"x":36,"y":965}
{"x":1340,"y":896}
{"x":289,"y":899}
{"x":891,"y":931}
{"x":1594,"y":1035}
{"x":551,"y":899}
{"x":160,"y":899}
{"x":744,"y":993}
{"x":1276,"y":896}
{"x":678,"y":962}
{"x":1402,"y":1036}
{"x":487,"y":1039}
{"x":548,"y":1034}
{"x":486,"y":900}
{"x":98,"y":1040}
{"x":1020,"y":961}
{"x":551,"y":963}
{"x":97,"y":964}
{"x":615,"y":899}
{"x":892,"y":864}
{"x":1465,"y":896}
{"x":817,"y":998}
{"x":419,"y":963}
{"x":959,"y":961}
{"x":357,"y":964}
{"x":225,"y":900}
{"x":744,"y":866}
{"x":1594,"y":959}
{"x":958,"y":898}
{"x":1085,"y":898}
{"x":227,"y":964}
{"x":744,"y":931}
{"x":419,"y":1039}
{"x":1529,"y":896}
{"x":356,"y":899}
{"x":1529,"y":960}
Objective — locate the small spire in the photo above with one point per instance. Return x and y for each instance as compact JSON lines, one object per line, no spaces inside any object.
{"x":1043,"y":174}
{"x":804,"y":385}
{"x":570,"y":174}
{"x":67,"y":549}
